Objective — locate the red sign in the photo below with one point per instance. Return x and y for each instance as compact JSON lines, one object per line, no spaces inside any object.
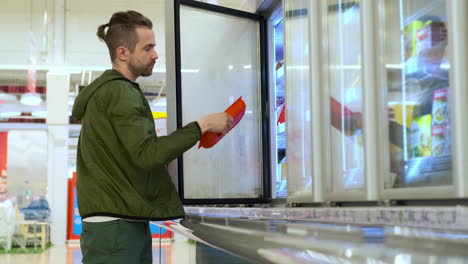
{"x":3,"y":154}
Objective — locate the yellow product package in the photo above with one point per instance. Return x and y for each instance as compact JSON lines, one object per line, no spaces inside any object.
{"x":420,"y":137}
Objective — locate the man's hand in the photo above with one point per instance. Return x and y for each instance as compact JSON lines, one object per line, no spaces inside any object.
{"x":280,"y":64}
{"x":217,"y":123}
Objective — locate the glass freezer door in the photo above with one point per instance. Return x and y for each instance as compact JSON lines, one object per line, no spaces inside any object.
{"x":298,"y":111}
{"x":219,"y":59}
{"x":345,"y":99}
{"x":418,"y":91}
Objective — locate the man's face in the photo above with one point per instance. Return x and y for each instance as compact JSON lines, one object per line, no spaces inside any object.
{"x":144,"y":57}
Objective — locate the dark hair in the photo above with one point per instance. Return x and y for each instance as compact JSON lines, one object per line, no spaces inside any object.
{"x":121,"y":31}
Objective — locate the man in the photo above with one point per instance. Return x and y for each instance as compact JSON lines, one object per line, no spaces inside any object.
{"x":122,"y":180}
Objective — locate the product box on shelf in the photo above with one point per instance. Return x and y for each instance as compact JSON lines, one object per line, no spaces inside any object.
{"x":433,"y":35}
{"x":441,"y":140}
{"x":420,"y":137}
{"x":440,"y":110}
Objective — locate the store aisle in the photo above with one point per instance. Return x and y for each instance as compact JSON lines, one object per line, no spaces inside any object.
{"x":175,"y":252}
{"x":71,"y":254}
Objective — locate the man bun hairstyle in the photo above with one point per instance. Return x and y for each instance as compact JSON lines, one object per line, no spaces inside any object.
{"x":121,"y":30}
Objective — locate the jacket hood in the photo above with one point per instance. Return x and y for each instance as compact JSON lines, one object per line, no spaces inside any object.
{"x":81,"y":101}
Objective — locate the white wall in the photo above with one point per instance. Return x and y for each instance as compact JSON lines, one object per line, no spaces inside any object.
{"x":82,"y":47}
{"x":17,"y":19}
{"x":82,"y":17}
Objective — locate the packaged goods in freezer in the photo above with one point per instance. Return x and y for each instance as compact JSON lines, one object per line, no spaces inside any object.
{"x":420,"y":137}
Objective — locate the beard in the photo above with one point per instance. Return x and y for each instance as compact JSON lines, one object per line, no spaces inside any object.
{"x":140,"y":69}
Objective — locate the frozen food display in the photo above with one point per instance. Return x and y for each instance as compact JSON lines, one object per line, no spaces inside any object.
{"x":418,"y":94}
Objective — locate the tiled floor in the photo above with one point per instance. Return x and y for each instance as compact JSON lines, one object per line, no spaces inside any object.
{"x":175,"y":252}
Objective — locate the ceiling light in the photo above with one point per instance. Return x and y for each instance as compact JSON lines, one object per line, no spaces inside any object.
{"x":40,"y":114}
{"x":31,"y":99}
{"x":4,"y":97}
{"x":9,"y":114}
{"x":189,"y":70}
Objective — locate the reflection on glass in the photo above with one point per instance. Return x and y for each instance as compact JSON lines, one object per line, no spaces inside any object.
{"x":26,"y":176}
{"x":281,"y":174}
{"x":206,"y":254}
{"x":418,"y":93}
{"x":298,"y":107}
{"x":345,"y":95}
{"x":217,"y":68}
{"x":25,"y":101}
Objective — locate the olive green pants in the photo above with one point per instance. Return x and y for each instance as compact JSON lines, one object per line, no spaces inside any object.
{"x":116,"y":242}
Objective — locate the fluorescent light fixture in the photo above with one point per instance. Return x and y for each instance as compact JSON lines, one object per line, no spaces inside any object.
{"x":394,"y":66}
{"x":231,"y":67}
{"x":298,"y":67}
{"x":189,"y":70}
{"x":342,"y":67}
{"x":445,"y":66}
{"x":9,"y":114}
{"x":31,"y":99}
{"x":7,"y":97}
{"x":247,"y":66}
{"x":391,"y":103}
{"x":21,"y":67}
{"x":41,"y":114}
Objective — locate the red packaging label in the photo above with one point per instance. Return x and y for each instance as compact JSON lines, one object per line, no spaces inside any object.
{"x":438,"y":130}
{"x":440,"y":94}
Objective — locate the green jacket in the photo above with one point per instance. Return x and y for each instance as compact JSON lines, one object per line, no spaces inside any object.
{"x":121,"y":163}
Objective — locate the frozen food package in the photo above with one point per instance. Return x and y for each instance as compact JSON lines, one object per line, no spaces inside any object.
{"x":432,"y":35}
{"x":440,"y":111}
{"x":411,"y":31}
{"x":420,"y":137}
{"x":236,"y":111}
{"x":441,"y":144}
{"x":441,"y":136}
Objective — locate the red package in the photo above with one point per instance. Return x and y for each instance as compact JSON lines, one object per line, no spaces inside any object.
{"x":282,"y":116}
{"x":431,"y":36}
{"x":236,"y":110}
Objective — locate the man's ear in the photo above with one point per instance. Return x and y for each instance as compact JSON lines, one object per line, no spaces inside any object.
{"x":122,"y":53}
